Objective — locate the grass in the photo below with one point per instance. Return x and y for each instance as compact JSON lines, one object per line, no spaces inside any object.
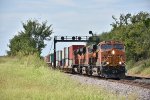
{"x":28,"y":78}
{"x":141,"y":68}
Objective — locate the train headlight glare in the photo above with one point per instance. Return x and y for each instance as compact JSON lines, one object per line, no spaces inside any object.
{"x":107,"y":63}
{"x":120,"y":62}
{"x":113,"y":52}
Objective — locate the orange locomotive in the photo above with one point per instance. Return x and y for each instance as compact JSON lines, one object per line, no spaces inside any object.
{"x":106,"y":59}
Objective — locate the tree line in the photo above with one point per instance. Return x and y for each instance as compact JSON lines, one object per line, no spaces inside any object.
{"x":133,"y":31}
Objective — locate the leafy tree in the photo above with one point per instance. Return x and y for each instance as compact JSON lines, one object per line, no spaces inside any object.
{"x":31,"y":39}
{"x":23,"y":44}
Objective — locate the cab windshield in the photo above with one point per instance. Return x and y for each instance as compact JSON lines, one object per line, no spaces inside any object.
{"x":110,"y":46}
{"x":106,"y":46}
{"x":118,"y":46}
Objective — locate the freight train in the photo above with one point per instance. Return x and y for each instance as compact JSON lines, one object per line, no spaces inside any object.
{"x":107,"y":59}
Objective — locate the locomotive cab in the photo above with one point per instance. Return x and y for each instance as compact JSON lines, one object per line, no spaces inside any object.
{"x":111,"y":58}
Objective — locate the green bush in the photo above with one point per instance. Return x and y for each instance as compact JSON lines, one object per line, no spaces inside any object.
{"x":140,"y":68}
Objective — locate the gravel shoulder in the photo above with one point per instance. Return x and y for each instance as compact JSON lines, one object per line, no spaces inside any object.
{"x":115,"y":87}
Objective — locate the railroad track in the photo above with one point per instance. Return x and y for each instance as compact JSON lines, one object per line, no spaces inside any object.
{"x":129,"y":80}
{"x":136,"y":81}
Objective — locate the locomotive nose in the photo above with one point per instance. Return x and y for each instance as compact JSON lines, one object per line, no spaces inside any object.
{"x":114,"y":58}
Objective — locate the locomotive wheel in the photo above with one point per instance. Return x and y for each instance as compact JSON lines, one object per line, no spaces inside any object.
{"x":83,"y":70}
{"x":122,"y":76}
{"x":73,"y":71}
{"x":106,"y":76}
{"x":86,"y":70}
{"x":80,"y":70}
{"x":98,"y":71}
{"x":90,"y":71}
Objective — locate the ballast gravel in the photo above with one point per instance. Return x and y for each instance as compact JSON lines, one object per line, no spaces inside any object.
{"x":115,"y":87}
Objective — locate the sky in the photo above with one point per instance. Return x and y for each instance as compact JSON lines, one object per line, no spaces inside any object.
{"x":67,"y":17}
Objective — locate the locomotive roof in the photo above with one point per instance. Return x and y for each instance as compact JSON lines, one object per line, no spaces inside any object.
{"x":110,"y":42}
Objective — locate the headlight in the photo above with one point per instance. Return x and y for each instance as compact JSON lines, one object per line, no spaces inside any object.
{"x":113,"y":52}
{"x":120,"y":62}
{"x":107,"y":63}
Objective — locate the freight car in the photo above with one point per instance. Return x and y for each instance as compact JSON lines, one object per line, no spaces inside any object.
{"x":107,"y":59}
{"x":71,"y":61}
{"x":49,"y":59}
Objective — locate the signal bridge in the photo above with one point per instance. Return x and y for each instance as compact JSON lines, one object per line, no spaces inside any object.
{"x":68,"y":39}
